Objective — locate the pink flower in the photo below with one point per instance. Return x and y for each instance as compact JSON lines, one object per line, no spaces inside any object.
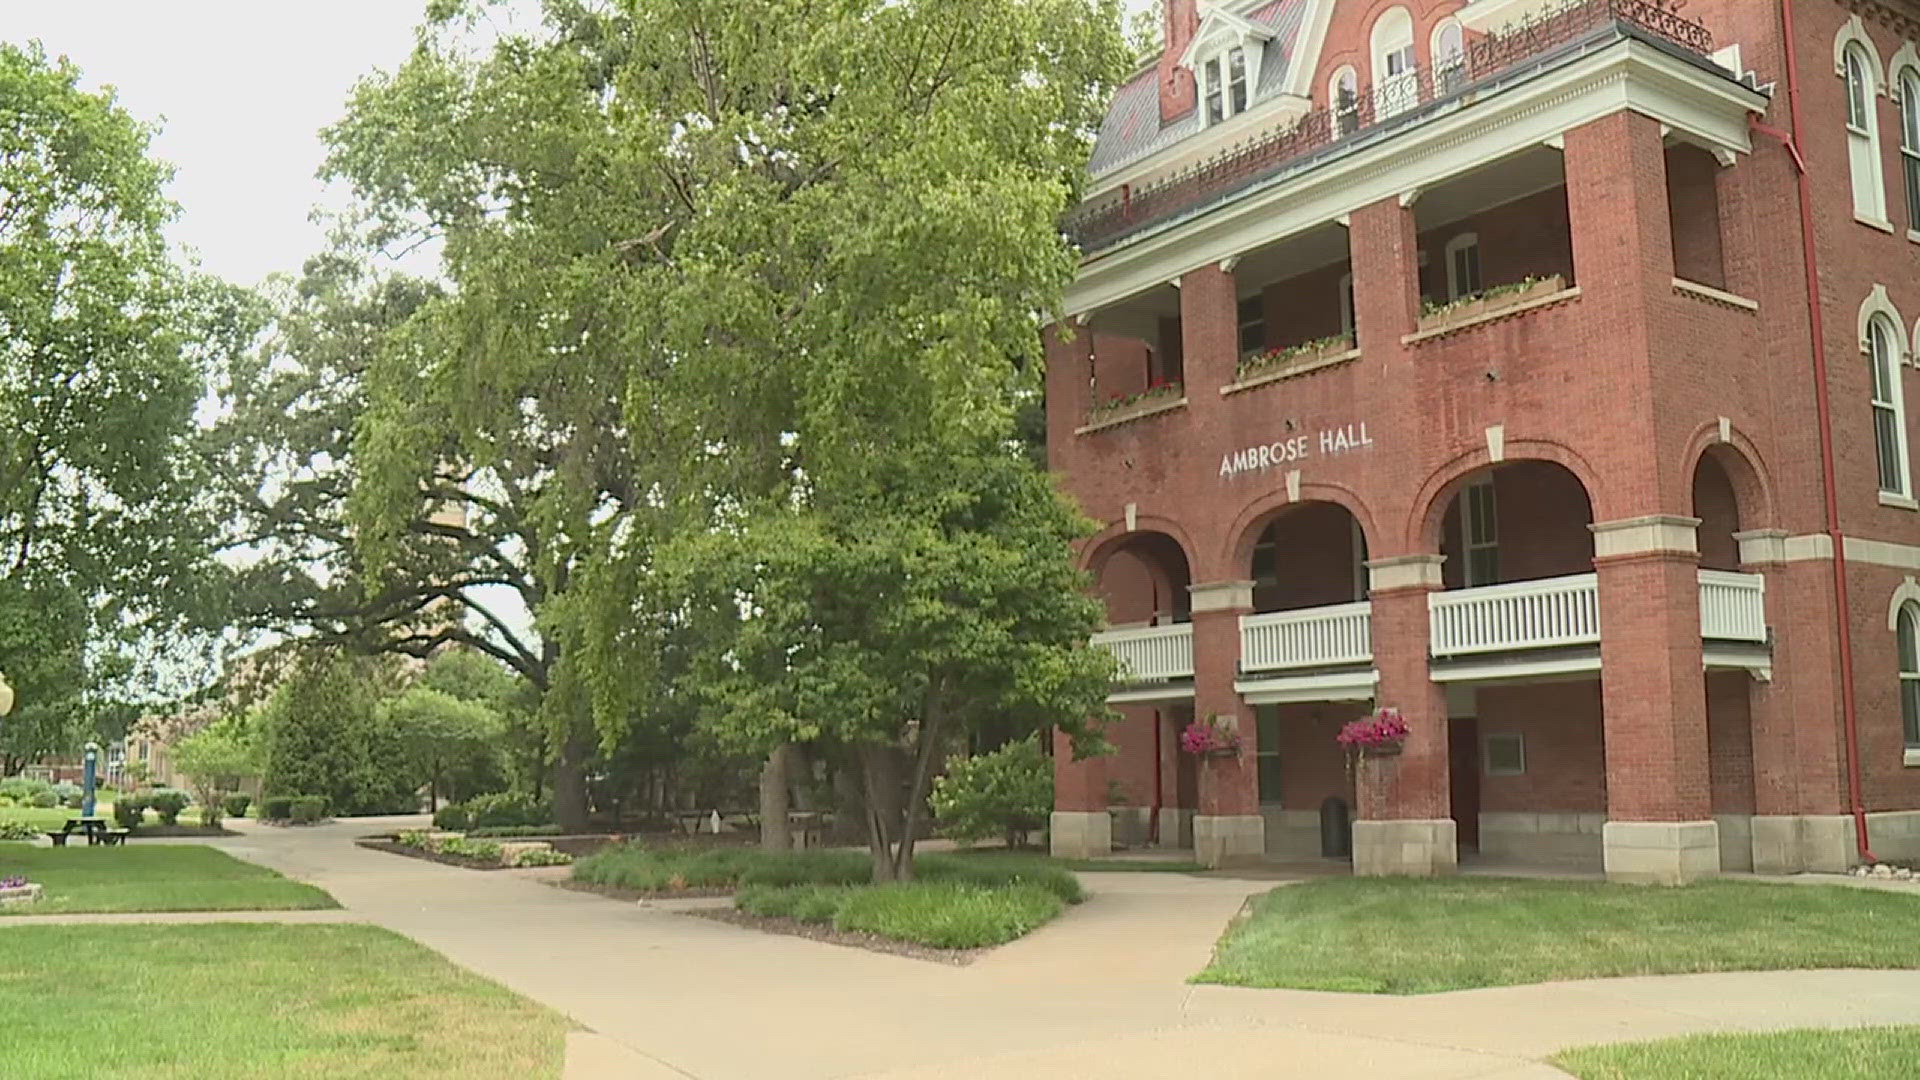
{"x":1385,"y":727}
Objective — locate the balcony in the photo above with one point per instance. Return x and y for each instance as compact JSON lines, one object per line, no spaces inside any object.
{"x":1733,"y":607}
{"x":1155,"y":661}
{"x":1545,"y":614}
{"x":1556,"y":34}
{"x":1314,"y":638}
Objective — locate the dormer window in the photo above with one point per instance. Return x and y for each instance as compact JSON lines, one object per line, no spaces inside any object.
{"x":1225,"y":76}
{"x":1224,"y":57}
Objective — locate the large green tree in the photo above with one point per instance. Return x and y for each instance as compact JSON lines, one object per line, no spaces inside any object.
{"x":105,"y":339}
{"x":717,"y":269}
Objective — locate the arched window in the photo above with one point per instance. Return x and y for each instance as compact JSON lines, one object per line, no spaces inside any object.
{"x":1909,"y":637}
{"x":1396,"y":78}
{"x":1343,"y":96}
{"x":1863,"y":135}
{"x":1449,"y":58}
{"x":1889,"y":411}
{"x":1910,"y":141}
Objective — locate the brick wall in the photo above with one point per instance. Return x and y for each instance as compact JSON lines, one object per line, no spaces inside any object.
{"x":1560,"y":724}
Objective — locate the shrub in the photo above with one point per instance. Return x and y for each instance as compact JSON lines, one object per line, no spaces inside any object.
{"x":538,"y":857}
{"x":6,"y":800}
{"x":1007,"y":793}
{"x":67,"y":789}
{"x":506,"y":808}
{"x":17,"y":830}
{"x":74,"y":802}
{"x":947,"y":914}
{"x":510,"y":831}
{"x":806,"y":903}
{"x":306,"y":809}
{"x":168,"y":804}
{"x":276,"y":807}
{"x":45,"y":800}
{"x":22,"y":789}
{"x":629,"y":866}
{"x":807,"y":868}
{"x":452,"y":816}
{"x":236,"y":804}
{"x":998,"y":872}
{"x":129,"y":811}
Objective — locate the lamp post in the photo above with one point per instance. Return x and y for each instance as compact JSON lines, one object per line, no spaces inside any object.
{"x":91,"y":759}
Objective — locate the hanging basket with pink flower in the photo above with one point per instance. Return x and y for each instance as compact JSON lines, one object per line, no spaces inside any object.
{"x":1211,"y":737}
{"x":1383,"y":733}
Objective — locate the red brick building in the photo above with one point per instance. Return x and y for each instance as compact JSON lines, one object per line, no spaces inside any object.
{"x":1537,"y":368}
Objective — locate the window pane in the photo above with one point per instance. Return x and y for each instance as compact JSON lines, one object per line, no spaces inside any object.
{"x":1880,"y":351}
{"x":1910,"y":710}
{"x":1483,"y":565}
{"x":1912,"y":163}
{"x":1910,"y":112}
{"x":1266,"y":719}
{"x":1886,"y":437}
{"x":1856,"y":89}
{"x":1909,"y":660}
{"x":1237,"y":79}
{"x":1269,"y":777}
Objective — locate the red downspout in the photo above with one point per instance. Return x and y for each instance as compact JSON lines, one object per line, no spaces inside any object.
{"x":1817,"y":324}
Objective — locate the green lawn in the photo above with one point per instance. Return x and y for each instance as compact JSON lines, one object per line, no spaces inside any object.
{"x":1856,"y":1054}
{"x":257,"y":1001}
{"x":156,"y":877}
{"x":1407,"y":936}
{"x":1110,"y":864}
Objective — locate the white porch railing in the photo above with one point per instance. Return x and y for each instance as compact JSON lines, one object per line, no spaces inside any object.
{"x":1313,"y":637}
{"x":1523,"y":615}
{"x":1152,"y":653}
{"x":1733,"y":607}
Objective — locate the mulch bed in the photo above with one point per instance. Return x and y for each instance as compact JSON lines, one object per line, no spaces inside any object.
{"x":827,"y":934}
{"x":398,"y":848}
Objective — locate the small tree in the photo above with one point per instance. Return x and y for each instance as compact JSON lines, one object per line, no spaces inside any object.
{"x":439,"y":731}
{"x":1007,"y":793}
{"x":215,"y":759}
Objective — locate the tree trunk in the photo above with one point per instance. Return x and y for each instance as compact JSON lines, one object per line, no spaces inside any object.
{"x":570,"y":783}
{"x":849,"y":806}
{"x":775,"y":833}
{"x":879,"y":780}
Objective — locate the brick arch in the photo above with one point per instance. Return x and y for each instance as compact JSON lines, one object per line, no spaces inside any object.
{"x":1236,"y":551}
{"x":1098,"y":548}
{"x":1744,"y":466}
{"x":1429,"y":507}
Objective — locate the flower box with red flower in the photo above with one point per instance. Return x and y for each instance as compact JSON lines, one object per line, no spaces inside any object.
{"x":1210,"y":738}
{"x":1383,"y":733}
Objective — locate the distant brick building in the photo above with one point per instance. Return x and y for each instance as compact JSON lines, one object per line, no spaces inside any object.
{"x":1462,"y":357}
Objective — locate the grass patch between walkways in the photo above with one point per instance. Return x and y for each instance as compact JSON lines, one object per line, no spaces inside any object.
{"x":257,"y":1001}
{"x":157,"y":877}
{"x":1407,"y":936}
{"x":956,"y":902}
{"x":1853,"y":1054}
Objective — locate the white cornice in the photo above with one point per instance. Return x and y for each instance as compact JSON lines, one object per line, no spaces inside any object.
{"x":1700,"y":105}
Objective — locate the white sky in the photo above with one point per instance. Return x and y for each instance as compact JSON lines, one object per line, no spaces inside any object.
{"x":240,"y":90}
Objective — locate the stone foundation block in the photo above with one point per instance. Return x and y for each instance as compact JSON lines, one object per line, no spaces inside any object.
{"x":1736,"y":842}
{"x":1176,"y":828}
{"x":1413,"y":848}
{"x":1804,"y":843}
{"x":1077,"y":834}
{"x":1661,"y":852}
{"x":1226,"y":841}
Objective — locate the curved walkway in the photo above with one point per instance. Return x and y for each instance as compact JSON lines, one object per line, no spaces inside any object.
{"x":1099,"y":993}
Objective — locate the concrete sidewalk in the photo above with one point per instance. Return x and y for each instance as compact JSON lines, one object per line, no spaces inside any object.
{"x":1099,"y":993}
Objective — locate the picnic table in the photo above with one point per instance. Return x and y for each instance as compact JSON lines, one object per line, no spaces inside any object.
{"x":95,"y":829}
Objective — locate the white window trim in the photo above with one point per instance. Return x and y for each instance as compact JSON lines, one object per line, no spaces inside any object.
{"x":1486,"y":754}
{"x":1904,"y":77}
{"x":1441,"y":63}
{"x":1853,"y":36}
{"x":1388,"y":99}
{"x":1909,"y":669}
{"x":1455,"y":245}
{"x":1896,"y":403}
